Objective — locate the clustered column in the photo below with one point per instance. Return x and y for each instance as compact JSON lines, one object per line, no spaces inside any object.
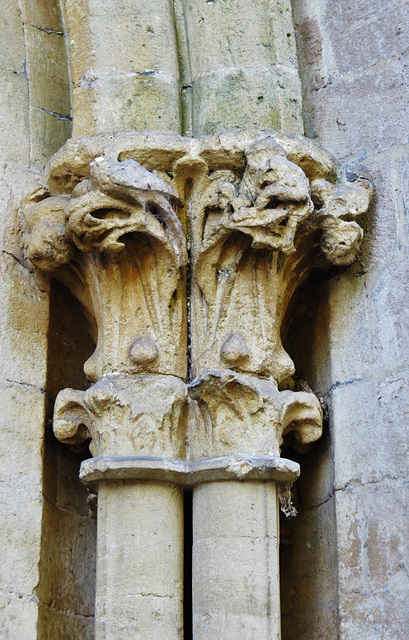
{"x":263,"y":208}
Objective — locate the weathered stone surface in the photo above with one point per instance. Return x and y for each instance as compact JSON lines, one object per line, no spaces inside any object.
{"x":109,"y":223}
{"x":48,"y":133}
{"x":12,"y":48}
{"x":125,"y":71}
{"x":119,"y":200}
{"x":147,"y":598}
{"x":373,"y":551}
{"x":366,"y":34}
{"x":148,"y":104}
{"x":353,"y":64}
{"x":18,"y":619}
{"x":271,"y":100}
{"x":14,"y":123}
{"x":369,"y":409}
{"x":25,"y":312}
{"x":235,"y":561}
{"x":263,"y":222}
{"x":309,"y":604}
{"x":254,"y":228}
{"x":55,"y":624}
{"x":21,"y":435}
{"x":249,"y":76}
{"x":378,"y":324}
{"x":67,"y":589}
{"x":42,"y":13}
{"x":22,"y":378}
{"x":126,"y":415}
{"x":47,"y":71}
{"x":248,"y":415}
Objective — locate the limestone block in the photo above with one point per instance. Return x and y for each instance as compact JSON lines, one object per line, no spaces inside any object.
{"x":21,"y":430}
{"x":125,"y":71}
{"x":365,"y":34}
{"x":48,"y":134}
{"x":241,"y":34}
{"x":22,"y":423}
{"x":372,"y":522}
{"x":139,"y":39}
{"x":42,"y":13}
{"x":12,"y":49}
{"x":65,"y":490}
{"x":22,"y":342}
{"x":18,"y":616}
{"x":363,"y":412}
{"x":67,"y":537}
{"x":120,"y":103}
{"x":309,"y":604}
{"x":386,"y":231}
{"x":377,"y":97}
{"x":47,"y":70}
{"x":377,"y":618}
{"x":14,"y":139}
{"x":24,"y":316}
{"x":140,"y":562}
{"x":377,"y":323}
{"x":246,"y":97}
{"x":249,"y":76}
{"x":57,"y":624}
{"x":235,"y":561}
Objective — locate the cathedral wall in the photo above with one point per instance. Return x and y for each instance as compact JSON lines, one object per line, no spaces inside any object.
{"x":354,"y":519}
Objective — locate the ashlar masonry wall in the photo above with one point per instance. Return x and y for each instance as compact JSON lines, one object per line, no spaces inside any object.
{"x":354,"y":488}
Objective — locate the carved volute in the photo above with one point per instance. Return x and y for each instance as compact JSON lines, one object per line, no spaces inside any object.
{"x":258,"y":210}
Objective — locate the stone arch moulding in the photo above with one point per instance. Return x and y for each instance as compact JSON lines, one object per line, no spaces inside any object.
{"x":186,"y":253}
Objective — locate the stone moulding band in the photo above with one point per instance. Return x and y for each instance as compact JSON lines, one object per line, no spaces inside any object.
{"x":185,"y":473}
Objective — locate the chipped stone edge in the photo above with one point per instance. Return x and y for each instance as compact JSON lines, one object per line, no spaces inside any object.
{"x":185,"y":473}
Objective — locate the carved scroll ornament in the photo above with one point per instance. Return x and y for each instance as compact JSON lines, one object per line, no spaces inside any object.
{"x":257,"y":211}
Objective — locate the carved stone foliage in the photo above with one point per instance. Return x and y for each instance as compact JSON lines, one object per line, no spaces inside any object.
{"x":241,"y":411}
{"x":259,"y":230}
{"x":257,"y":211}
{"x":117,"y":242}
{"x":126,"y":415}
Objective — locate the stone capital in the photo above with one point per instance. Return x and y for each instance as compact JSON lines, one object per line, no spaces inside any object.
{"x":185,"y":254}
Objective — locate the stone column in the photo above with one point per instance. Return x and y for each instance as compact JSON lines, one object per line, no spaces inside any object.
{"x":243,"y":66}
{"x":235,"y":561}
{"x":140,"y":561}
{"x":263,"y":209}
{"x":109,"y":231}
{"x":124,"y":66}
{"x":254,"y":240}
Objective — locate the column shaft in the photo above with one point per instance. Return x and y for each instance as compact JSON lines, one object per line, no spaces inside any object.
{"x":243,"y":65}
{"x":139,"y":562}
{"x":124,"y":65}
{"x":235,"y":561}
